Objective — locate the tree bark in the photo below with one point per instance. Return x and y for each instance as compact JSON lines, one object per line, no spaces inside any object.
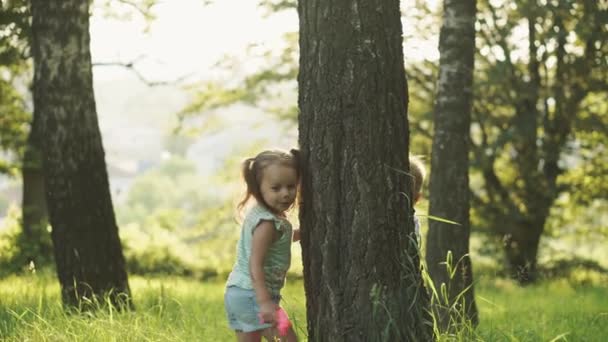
{"x":87,"y":249}
{"x":449,"y":179}
{"x":34,"y":213}
{"x":521,"y":251}
{"x":361,"y":267}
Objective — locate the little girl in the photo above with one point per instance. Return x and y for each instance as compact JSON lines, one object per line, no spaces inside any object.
{"x":264,"y":248}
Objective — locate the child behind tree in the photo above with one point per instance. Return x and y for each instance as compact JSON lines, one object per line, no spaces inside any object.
{"x":417,"y":172}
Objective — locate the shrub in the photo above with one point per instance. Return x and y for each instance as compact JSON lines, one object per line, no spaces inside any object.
{"x":18,"y":253}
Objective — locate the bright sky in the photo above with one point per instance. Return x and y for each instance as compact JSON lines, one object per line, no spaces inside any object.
{"x":188,"y":37}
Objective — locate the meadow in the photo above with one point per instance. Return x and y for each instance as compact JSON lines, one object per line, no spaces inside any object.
{"x":184,"y":309}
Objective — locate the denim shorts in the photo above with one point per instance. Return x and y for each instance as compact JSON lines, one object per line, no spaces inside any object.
{"x":242,"y":309}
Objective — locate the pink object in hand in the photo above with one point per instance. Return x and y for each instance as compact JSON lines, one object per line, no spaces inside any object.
{"x":282,"y":321}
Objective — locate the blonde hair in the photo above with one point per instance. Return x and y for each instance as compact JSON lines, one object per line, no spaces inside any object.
{"x":418,"y":172}
{"x":253,"y":170}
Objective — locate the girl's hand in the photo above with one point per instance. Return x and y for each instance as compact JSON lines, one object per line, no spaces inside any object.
{"x":268,"y":311}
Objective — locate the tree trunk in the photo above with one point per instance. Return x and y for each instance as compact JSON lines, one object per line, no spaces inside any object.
{"x":36,"y":242}
{"x":449,"y":180}
{"x":88,"y":253}
{"x":361,"y":267}
{"x":521,"y":251}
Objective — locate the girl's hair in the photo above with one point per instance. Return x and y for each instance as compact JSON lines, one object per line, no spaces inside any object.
{"x":253,"y":168}
{"x":418,"y":173}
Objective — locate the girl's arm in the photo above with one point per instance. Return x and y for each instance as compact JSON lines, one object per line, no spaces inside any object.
{"x":296,"y":235}
{"x":263,"y":237}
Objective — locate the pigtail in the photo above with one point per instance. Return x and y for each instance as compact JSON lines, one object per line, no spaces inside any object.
{"x":297,"y":160}
{"x":248,"y":171}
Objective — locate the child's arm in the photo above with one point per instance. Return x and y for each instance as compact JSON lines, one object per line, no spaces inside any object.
{"x":296,"y":235}
{"x":263,"y":237}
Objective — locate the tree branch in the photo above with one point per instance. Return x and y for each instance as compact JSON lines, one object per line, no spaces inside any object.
{"x":131,"y":66}
{"x":143,"y":8}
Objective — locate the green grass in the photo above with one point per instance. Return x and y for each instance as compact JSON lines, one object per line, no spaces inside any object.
{"x":550,"y":311}
{"x":167,"y":309}
{"x":177,"y":309}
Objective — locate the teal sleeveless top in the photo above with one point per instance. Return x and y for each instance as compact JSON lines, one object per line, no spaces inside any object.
{"x":278,"y":256}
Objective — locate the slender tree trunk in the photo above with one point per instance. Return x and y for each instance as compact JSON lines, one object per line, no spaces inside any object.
{"x":34,"y":212}
{"x":449,"y":180}
{"x":88,"y":253}
{"x":361,"y":267}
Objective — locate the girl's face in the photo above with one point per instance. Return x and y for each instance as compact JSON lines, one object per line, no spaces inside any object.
{"x":279,"y":187}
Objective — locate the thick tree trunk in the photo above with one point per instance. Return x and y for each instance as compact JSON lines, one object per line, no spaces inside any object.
{"x":361,"y":268}
{"x":449,"y":180}
{"x":521,"y":251}
{"x":87,"y":248}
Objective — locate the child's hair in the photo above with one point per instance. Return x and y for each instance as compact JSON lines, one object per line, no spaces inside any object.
{"x":253,"y":168}
{"x":418,"y":173}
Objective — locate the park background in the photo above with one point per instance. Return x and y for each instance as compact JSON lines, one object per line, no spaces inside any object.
{"x":185,"y":94}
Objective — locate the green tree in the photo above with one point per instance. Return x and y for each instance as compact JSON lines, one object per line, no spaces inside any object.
{"x":14,"y":117}
{"x":539,"y":62}
{"x":21,"y":141}
{"x":570,"y":120}
{"x":14,"y":122}
{"x":361,"y":266}
{"x":20,"y":135}
{"x":88,"y":253}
